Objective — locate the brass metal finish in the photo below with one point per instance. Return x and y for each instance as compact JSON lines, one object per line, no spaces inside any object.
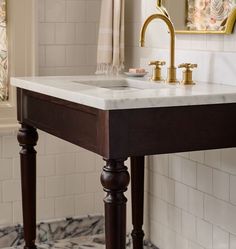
{"x":171,"y":78}
{"x":156,"y":73}
{"x":188,"y":73}
{"x":229,"y":26}
{"x":162,"y":8}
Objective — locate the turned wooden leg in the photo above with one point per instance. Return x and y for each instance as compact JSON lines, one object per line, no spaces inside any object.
{"x":137,"y":191}
{"x":115,"y":179}
{"x":27,"y":137}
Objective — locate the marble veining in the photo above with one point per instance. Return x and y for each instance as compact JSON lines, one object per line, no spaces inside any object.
{"x":56,"y":230}
{"x":118,"y":92}
{"x":84,"y":242}
{"x":70,"y":228}
{"x":70,"y":233}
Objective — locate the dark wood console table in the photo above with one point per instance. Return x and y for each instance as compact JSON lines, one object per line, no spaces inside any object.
{"x":116,"y":135}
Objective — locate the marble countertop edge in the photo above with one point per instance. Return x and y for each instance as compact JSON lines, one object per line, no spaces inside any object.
{"x":69,"y":88}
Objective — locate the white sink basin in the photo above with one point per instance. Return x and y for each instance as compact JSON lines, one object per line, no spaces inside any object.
{"x":123,"y":84}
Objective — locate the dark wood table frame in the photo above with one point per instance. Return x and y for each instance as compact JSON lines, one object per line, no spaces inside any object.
{"x":116,"y":135}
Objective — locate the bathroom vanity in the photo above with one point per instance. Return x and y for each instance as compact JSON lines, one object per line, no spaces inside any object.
{"x":118,"y":118}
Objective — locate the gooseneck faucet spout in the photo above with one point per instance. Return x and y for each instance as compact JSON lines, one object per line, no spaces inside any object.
{"x":162,"y":9}
{"x":171,"y":78}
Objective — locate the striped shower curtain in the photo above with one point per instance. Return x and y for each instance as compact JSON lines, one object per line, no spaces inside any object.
{"x":3,"y":53}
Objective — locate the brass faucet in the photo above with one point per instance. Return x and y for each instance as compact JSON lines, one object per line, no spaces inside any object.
{"x":171,"y":78}
{"x":162,"y":9}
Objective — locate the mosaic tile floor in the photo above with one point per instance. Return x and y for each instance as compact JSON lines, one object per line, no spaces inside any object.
{"x":86,"y":242}
{"x":70,"y":233}
{"x":83,"y":242}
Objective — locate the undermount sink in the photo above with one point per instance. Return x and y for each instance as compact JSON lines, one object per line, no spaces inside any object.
{"x":123,"y":84}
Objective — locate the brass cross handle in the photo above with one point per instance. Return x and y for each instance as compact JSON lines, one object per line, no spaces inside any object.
{"x":156,"y":75}
{"x":187,"y":73}
{"x":157,"y":63}
{"x":187,"y":65}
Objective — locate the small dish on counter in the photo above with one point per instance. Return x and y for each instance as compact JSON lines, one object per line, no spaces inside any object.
{"x":131,"y":74}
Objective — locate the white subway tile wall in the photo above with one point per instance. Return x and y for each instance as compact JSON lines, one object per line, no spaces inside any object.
{"x":201,"y":216}
{"x":68,"y":31}
{"x":67,"y":183}
{"x":192,"y":196}
{"x":68,"y":176}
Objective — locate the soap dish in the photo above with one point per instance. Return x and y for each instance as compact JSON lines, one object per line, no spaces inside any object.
{"x":135,"y":74}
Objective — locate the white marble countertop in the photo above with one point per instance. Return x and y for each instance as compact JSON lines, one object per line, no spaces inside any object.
{"x":114,"y":94}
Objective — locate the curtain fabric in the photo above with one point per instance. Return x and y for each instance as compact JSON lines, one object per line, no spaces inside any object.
{"x":3,"y":52}
{"x":110,"y":53}
{"x":208,"y":14}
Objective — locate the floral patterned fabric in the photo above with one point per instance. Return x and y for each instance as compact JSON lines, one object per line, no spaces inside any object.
{"x":3,"y":51}
{"x":208,"y":14}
